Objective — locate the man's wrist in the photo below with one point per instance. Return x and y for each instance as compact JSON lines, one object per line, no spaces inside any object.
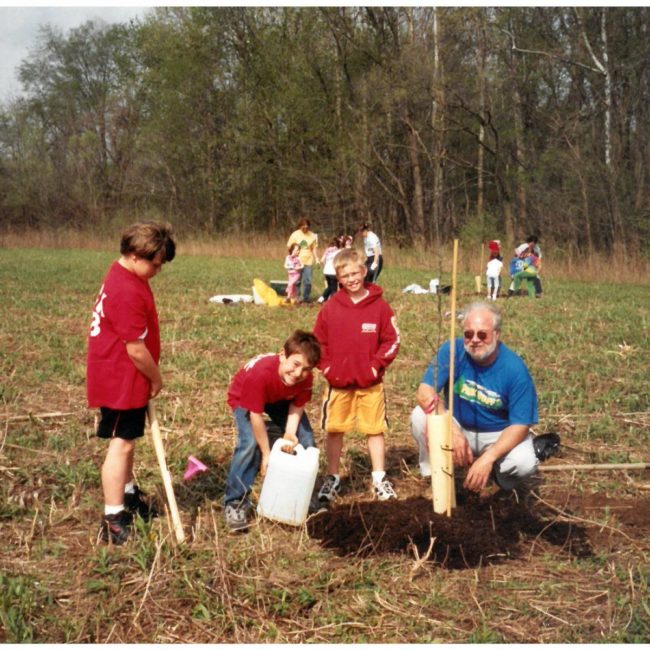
{"x":431,"y":406}
{"x":489,"y":456}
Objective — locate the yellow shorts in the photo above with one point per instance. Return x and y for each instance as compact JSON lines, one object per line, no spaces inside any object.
{"x":365,"y":407}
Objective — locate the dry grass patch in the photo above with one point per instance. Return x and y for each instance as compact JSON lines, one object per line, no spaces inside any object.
{"x":570,"y":566}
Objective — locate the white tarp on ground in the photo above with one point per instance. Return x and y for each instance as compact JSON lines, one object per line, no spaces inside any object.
{"x":228,"y":299}
{"x":416,"y":288}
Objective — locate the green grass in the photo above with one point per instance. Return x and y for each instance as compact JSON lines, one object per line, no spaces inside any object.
{"x":585,"y":344}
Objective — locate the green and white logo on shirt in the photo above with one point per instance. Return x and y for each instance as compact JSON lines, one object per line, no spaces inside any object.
{"x":476,"y":394}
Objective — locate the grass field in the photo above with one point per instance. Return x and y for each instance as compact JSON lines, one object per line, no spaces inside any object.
{"x":570,"y":566}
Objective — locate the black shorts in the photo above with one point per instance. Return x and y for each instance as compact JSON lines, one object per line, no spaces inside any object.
{"x":128,"y":424}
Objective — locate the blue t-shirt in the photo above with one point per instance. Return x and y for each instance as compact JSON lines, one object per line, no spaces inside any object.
{"x":516,"y":265}
{"x":486,"y":398}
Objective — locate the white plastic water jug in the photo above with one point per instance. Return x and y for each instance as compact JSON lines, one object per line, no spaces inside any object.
{"x":288,"y":484}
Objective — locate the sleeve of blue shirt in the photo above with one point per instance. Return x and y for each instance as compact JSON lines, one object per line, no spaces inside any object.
{"x":441,"y":364}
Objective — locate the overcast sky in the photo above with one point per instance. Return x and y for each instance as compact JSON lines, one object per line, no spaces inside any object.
{"x":19,"y":32}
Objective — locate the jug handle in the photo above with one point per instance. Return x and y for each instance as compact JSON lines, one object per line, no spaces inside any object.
{"x":281,"y":443}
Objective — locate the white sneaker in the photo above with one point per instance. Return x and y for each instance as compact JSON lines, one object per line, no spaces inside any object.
{"x":321,"y":299}
{"x":384,"y":491}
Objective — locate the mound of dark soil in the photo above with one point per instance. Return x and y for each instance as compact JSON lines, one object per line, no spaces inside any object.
{"x":480,"y":531}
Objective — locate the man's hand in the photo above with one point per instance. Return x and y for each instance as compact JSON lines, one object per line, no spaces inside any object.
{"x":461,"y":451}
{"x":432,"y":405}
{"x":479,"y":473}
{"x":373,"y":266}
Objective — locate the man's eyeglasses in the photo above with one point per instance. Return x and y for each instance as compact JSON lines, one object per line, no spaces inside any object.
{"x":481,"y":335}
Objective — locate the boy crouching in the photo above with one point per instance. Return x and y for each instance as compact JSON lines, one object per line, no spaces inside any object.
{"x":279,"y":385}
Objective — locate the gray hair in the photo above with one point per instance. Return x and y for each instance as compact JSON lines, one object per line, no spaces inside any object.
{"x":497,"y":317}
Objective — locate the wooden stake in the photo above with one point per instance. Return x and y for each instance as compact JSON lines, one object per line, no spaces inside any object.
{"x":38,"y":416}
{"x":477,"y":278}
{"x":594,"y":467}
{"x":440,"y":461}
{"x":166,"y":476}
{"x":452,"y":354}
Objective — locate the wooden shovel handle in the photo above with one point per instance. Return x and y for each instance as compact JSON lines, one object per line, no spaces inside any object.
{"x":166,"y":476}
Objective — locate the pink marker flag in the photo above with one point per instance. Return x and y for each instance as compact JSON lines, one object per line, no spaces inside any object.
{"x":194,"y":466}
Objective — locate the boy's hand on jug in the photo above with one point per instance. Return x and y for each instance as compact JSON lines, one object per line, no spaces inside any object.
{"x":292,"y":441}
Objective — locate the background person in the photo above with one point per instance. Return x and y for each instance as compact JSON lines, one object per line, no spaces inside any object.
{"x":494,"y":246}
{"x":294,"y":266}
{"x":372,"y":249}
{"x":534,"y":248}
{"x":494,"y":406}
{"x":524,"y":267}
{"x":329,"y":271}
{"x":122,"y":372}
{"x":493,"y":274}
{"x":308,"y":242}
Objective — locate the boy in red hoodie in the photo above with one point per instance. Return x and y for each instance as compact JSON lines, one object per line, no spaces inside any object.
{"x":358,"y":335}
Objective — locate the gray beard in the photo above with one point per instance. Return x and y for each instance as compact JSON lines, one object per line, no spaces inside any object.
{"x":482,"y":355}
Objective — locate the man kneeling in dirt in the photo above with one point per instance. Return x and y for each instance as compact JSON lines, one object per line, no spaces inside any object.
{"x":494,"y":404}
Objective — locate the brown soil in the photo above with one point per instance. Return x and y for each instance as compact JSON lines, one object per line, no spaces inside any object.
{"x":489,"y":529}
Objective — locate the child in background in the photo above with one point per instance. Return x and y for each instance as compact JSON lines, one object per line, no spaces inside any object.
{"x":494,"y":246}
{"x":523,"y":267}
{"x":122,"y":367}
{"x":534,"y":248}
{"x":328,"y":268}
{"x":359,"y":338}
{"x":280,"y":386}
{"x":493,"y":272}
{"x":294,"y":266}
{"x":346,"y":241}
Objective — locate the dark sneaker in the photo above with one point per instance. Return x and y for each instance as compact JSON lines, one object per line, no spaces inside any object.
{"x":237,"y":517}
{"x":116,"y":528}
{"x":330,"y":489}
{"x":384,"y":491}
{"x":315,"y":505}
{"x":134,"y":503}
{"x":546,"y":445}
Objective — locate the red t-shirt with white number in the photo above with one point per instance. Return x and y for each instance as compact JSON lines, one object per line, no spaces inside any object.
{"x":258,"y":383}
{"x":124,"y":311}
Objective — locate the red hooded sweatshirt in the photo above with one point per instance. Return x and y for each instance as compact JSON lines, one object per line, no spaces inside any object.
{"x":355,"y":338}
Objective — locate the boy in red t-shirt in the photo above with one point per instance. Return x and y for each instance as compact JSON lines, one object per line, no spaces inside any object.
{"x":358,"y":334}
{"x":280,"y":386}
{"x":122,"y":367}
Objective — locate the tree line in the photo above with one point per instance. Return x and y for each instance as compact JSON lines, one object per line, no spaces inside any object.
{"x":428,"y":122}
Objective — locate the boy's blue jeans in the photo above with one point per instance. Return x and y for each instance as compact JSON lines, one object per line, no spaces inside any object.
{"x":247,"y":457}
